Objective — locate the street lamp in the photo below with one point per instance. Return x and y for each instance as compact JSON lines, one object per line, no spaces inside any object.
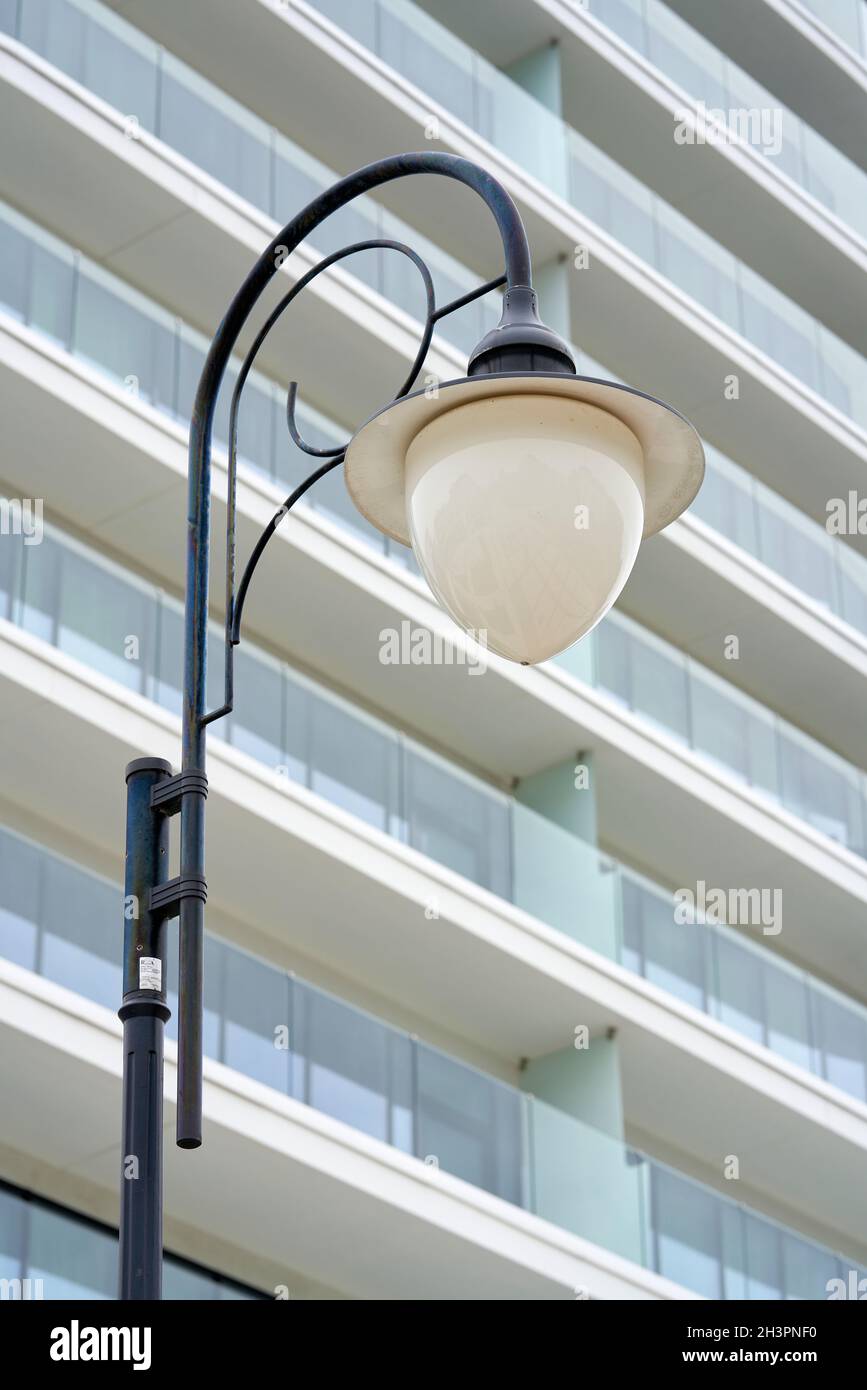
{"x":524,"y":490}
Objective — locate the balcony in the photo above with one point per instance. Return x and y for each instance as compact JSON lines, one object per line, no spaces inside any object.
{"x":393,"y":784}
{"x":255,"y":161}
{"x":716,"y":720}
{"x":846,"y":18}
{"x":60,"y":921}
{"x":123,"y":477}
{"x":496,"y":979}
{"x":426,"y":54}
{"x":765,"y":321}
{"x":58,"y":1254}
{"x":630,"y":73}
{"x":49,"y":588}
{"x":791,"y":544}
{"x":747,"y":988}
{"x":816,"y":61}
{"x":156,"y":359}
{"x":95,"y":316}
{"x":705,"y":73}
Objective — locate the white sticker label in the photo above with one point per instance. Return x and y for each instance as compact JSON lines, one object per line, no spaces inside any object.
{"x":150,"y":972}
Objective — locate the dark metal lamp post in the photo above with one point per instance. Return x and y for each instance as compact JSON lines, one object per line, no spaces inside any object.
{"x":519,"y":447}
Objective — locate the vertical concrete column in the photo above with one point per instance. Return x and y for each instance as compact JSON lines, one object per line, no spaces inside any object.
{"x":566,"y":794}
{"x":553,"y":285}
{"x":580,"y":1171}
{"x":540,"y":73}
{"x":582,"y":1175}
{"x":559,"y":874}
{"x":532,"y":132}
{"x":583,"y":1080}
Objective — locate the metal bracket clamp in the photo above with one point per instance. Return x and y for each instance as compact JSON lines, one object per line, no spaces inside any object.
{"x":166,"y":795}
{"x":166,"y":900}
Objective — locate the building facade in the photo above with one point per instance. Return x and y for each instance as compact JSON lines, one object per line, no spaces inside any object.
{"x":540,"y":983}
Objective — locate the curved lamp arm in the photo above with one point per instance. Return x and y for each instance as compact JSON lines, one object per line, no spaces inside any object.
{"x":235,"y":603}
{"x":234,"y":606}
{"x":516,"y":254}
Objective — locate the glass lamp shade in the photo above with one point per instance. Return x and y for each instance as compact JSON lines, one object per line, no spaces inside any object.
{"x":526,"y":513}
{"x":525,"y":495}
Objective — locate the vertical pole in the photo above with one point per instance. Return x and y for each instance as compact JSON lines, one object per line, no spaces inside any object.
{"x":144,"y":1014}
{"x":192,"y":899}
{"x":191,"y":926}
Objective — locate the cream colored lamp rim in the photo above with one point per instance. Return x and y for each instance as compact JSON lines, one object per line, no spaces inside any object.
{"x":375,"y":458}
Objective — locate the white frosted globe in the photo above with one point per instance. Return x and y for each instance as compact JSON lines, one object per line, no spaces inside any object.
{"x":526,"y":513}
